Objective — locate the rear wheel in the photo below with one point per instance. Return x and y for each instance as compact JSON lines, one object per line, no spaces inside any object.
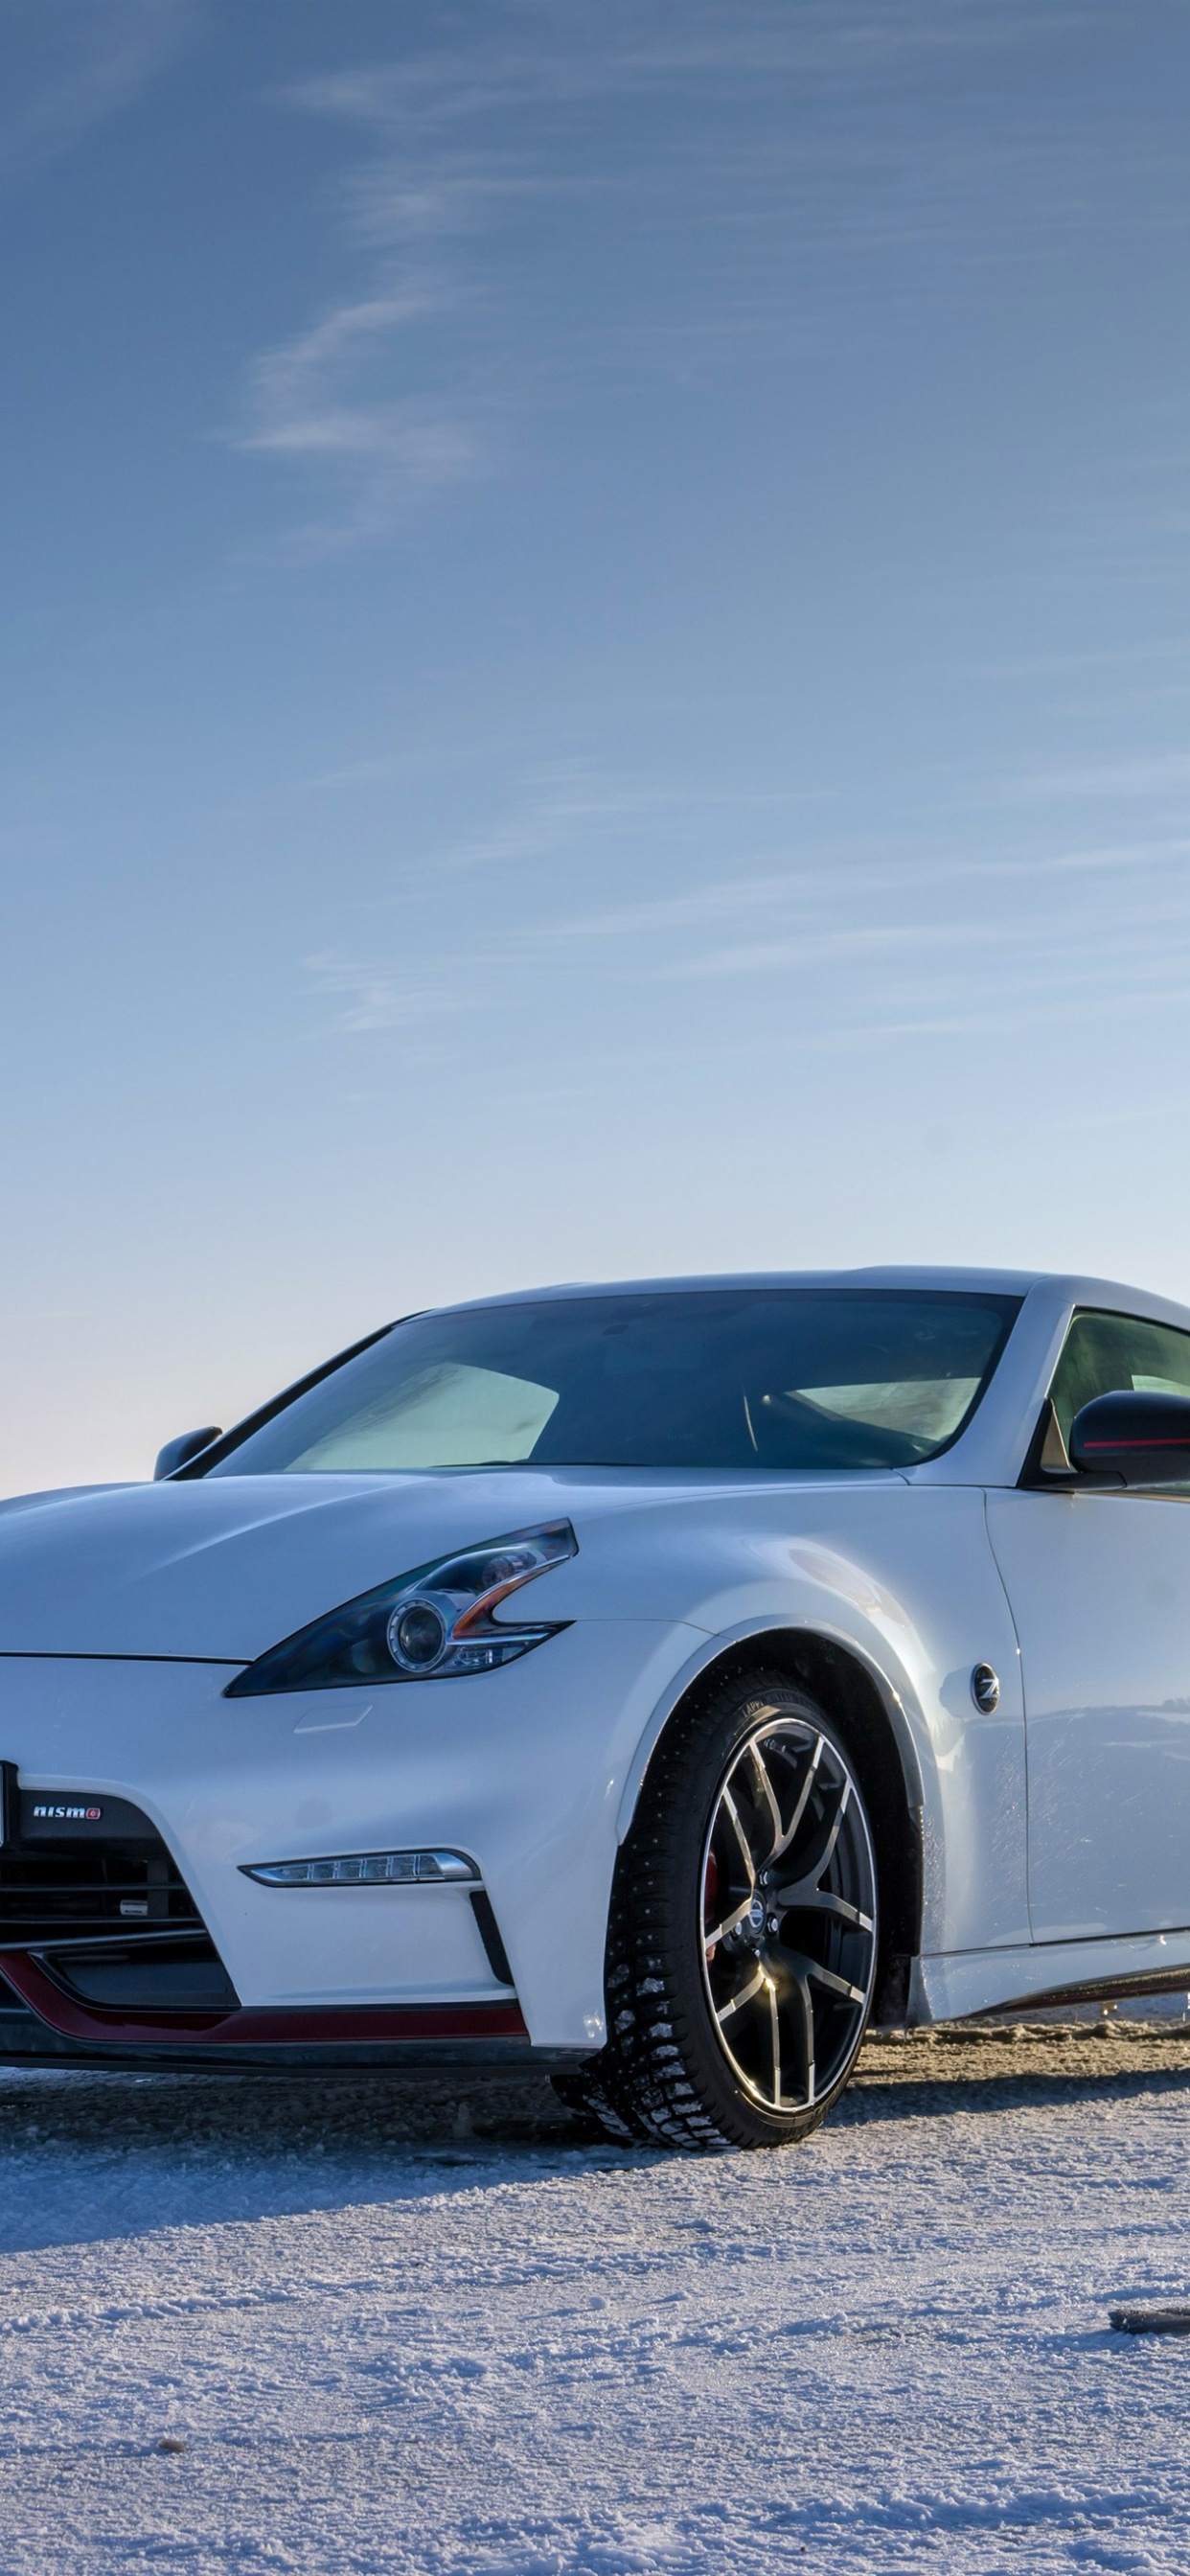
{"x":742,"y":1945}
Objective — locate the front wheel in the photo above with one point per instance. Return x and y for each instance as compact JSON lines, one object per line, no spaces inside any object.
{"x":742,"y":1946}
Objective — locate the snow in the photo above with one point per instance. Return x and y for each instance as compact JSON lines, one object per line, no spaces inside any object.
{"x":421,"y":2326}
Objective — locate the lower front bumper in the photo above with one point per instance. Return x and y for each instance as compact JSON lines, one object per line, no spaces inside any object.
{"x":39,"y":2024}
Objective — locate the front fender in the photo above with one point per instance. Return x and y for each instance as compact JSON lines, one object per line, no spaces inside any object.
{"x":913,"y":1595}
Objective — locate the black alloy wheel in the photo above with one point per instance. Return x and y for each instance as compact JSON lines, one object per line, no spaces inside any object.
{"x":742,"y":1945}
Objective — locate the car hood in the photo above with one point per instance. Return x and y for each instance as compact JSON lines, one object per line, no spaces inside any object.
{"x":223,"y":1568}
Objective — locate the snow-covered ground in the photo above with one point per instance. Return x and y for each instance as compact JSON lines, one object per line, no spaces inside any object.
{"x":412,"y":2327}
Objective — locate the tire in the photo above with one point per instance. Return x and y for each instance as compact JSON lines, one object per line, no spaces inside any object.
{"x":744,"y":2038}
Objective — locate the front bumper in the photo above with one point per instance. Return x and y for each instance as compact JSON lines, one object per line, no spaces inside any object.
{"x":522,"y":1768}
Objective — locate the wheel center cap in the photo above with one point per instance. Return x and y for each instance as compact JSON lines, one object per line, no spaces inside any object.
{"x":757,"y":1914}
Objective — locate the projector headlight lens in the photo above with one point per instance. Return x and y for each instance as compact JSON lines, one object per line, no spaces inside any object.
{"x":416,"y":1636}
{"x":436,"y":1623}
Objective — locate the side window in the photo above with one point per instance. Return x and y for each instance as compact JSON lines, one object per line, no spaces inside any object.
{"x":1103,"y":1353}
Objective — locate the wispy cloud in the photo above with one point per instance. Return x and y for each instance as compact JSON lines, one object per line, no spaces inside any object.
{"x":82,"y":64}
{"x":776,"y":135}
{"x":829,"y":949}
{"x":807,"y":887}
{"x":554,"y":51}
{"x":562,"y":805}
{"x":314,"y":401}
{"x":294,"y":415}
{"x":1156,"y":774}
{"x":368,"y":997}
{"x":853,"y":943}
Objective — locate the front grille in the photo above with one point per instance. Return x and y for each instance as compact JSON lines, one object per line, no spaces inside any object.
{"x":72,"y":1868}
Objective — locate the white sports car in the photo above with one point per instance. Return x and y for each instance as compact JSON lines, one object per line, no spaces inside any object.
{"x":651,"y":1682}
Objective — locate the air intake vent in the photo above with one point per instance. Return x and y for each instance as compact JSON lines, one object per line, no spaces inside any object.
{"x":146,"y":1976}
{"x":72,"y":1867}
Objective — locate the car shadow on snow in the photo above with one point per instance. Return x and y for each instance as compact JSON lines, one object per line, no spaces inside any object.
{"x":873,"y":2101}
{"x":87,"y":2155}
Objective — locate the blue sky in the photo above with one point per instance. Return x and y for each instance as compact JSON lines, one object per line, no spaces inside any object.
{"x":594,"y":635}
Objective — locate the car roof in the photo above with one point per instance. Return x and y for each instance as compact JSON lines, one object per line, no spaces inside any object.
{"x":1064,"y":1287}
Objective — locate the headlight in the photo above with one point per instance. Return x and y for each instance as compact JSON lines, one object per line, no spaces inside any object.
{"x":431,"y":1625}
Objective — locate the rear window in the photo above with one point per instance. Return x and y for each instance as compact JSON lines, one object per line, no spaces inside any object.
{"x":697,"y":1378}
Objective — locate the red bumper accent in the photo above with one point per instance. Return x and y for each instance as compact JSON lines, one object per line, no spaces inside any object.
{"x":251,"y":2027}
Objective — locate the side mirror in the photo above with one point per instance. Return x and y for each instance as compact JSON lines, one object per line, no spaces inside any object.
{"x":189,"y":1444}
{"x":1140,"y":1439}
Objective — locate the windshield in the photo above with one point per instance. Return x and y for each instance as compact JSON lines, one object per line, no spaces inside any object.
{"x":695,"y":1378}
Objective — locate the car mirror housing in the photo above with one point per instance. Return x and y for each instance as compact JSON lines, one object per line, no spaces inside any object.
{"x":1134,"y":1437}
{"x":178,"y":1453}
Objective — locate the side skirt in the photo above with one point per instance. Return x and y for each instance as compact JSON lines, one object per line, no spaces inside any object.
{"x":960,"y":1984}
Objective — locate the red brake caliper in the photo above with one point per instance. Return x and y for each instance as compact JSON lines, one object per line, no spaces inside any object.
{"x":710,"y":1893}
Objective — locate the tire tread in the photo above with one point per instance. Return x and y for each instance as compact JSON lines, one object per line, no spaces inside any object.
{"x":643,"y":2085}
